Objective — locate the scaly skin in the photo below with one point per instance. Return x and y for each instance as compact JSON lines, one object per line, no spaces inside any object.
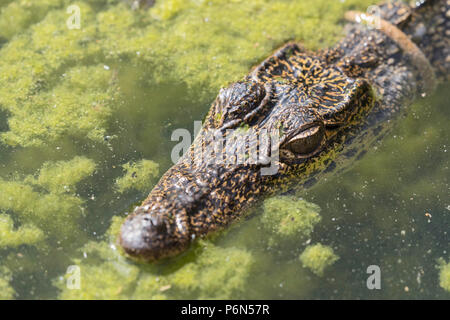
{"x":328,"y":107}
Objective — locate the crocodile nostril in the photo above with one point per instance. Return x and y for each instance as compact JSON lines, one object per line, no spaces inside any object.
{"x":151,"y":236}
{"x":160,"y":226}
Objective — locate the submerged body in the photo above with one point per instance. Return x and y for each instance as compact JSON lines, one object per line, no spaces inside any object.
{"x":326,"y":108}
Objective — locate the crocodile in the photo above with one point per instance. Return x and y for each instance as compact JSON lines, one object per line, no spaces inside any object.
{"x":325,"y":108}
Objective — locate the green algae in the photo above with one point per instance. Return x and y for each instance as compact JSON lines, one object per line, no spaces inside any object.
{"x":317,"y":258}
{"x":57,"y":214}
{"x":218,"y":45}
{"x":138,"y":176}
{"x":289,"y":218}
{"x":83,"y":114}
{"x":217,"y":273}
{"x":23,"y":235}
{"x":47,"y":201}
{"x":46,"y":97}
{"x":6,"y":291}
{"x":208,"y":272}
{"x":110,"y":279}
{"x":61,"y":176}
{"x":17,"y":16}
{"x":444,"y":274}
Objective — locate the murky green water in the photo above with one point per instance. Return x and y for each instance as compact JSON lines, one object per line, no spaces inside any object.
{"x":77,"y":105}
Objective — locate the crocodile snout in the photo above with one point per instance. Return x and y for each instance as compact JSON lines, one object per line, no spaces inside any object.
{"x":150,"y":236}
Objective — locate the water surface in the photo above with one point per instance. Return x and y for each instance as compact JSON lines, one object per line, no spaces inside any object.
{"x":77,"y":105}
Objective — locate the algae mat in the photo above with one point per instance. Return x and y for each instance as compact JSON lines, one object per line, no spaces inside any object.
{"x":86,"y":117}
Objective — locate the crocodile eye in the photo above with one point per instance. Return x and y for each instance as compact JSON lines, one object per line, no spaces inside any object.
{"x":307,"y":142}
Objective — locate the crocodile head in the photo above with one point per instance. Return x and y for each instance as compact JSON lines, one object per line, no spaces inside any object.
{"x":283,"y":124}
